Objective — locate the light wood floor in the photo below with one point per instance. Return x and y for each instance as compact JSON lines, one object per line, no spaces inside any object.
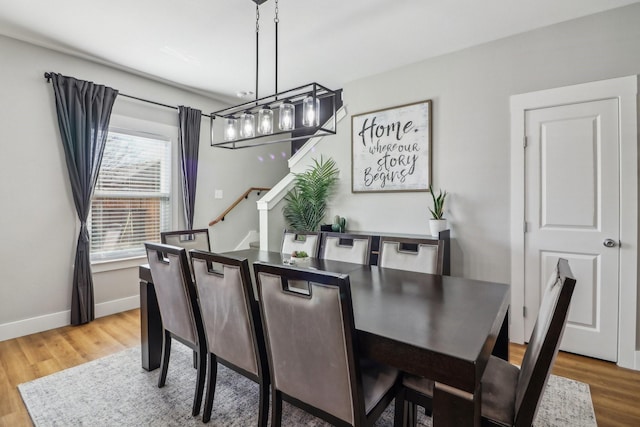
{"x":615,"y":391}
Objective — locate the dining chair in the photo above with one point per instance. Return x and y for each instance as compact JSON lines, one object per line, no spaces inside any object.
{"x":307,"y":241}
{"x":312,"y":349}
{"x":232,"y":324}
{"x":179,"y":310}
{"x":188,"y":239}
{"x":347,"y":247}
{"x":411,"y":254}
{"x":510,"y":395}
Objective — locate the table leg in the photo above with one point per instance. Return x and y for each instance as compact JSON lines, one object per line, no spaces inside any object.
{"x":454,"y":408}
{"x":501,"y":348}
{"x":151,"y":333}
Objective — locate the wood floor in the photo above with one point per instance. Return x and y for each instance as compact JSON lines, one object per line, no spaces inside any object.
{"x":615,"y":391}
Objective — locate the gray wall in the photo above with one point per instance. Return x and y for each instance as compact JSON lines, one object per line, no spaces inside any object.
{"x":470,"y":90}
{"x":38,"y":220}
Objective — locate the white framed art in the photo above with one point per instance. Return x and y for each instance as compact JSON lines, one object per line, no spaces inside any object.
{"x":391,"y":149}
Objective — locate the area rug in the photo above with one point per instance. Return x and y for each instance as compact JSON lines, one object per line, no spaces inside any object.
{"x":116,"y":391}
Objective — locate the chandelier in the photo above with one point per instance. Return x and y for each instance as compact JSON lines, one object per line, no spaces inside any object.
{"x":284,"y":116}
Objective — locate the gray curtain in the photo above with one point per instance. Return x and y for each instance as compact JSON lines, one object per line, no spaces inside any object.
{"x":189,"y":145}
{"x":84,"y":110}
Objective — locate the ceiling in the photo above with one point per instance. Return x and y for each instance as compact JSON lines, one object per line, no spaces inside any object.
{"x":209,"y":45}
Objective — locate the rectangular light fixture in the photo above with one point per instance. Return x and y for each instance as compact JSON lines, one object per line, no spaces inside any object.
{"x":284,"y":116}
{"x":282,"y":126}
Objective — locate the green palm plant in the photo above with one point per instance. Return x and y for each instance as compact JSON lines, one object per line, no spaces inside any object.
{"x":306,"y":204}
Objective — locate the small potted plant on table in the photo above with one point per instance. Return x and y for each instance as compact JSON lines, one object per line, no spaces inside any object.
{"x":437,"y":223}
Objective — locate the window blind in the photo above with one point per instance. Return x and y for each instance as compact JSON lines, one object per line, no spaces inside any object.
{"x":132,"y":200}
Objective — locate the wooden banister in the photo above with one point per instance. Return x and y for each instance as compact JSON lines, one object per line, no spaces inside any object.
{"x":238,"y":200}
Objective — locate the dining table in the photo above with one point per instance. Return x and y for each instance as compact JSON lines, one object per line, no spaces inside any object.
{"x":440,"y":327}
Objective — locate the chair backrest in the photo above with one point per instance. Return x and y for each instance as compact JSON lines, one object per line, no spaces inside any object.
{"x":307,"y":241}
{"x":421,"y":255}
{"x":310,"y":339}
{"x":544,"y":343}
{"x":188,"y":239}
{"x":346,"y":247}
{"x":175,"y":291}
{"x":230,"y":310}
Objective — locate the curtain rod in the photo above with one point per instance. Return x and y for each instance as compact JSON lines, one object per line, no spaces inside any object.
{"x":47,"y":76}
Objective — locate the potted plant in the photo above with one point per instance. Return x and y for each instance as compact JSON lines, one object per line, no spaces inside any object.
{"x":306,"y":204}
{"x":437,"y":223}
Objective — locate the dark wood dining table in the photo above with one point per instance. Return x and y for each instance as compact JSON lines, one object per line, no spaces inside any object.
{"x":440,"y":327}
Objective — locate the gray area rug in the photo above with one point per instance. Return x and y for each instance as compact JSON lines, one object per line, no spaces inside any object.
{"x":116,"y":391}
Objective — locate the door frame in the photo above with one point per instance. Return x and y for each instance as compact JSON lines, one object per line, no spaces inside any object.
{"x":626,"y":90}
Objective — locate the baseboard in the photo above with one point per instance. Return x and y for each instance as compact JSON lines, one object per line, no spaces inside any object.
{"x":46,"y":322}
{"x":117,"y":306}
{"x":637,"y":362}
{"x":252,"y":236}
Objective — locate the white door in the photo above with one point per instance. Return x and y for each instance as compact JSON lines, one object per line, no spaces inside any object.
{"x":572,"y":199}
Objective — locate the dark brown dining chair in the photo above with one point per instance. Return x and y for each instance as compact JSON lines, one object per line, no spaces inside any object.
{"x":347,"y":247}
{"x":312,"y":349}
{"x":510,"y":395}
{"x":179,"y":310}
{"x":188,"y":239}
{"x":307,"y":241}
{"x":232,"y":324}
{"x":412,"y":254}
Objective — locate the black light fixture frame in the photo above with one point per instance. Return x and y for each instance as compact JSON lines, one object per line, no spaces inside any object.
{"x":294,"y":96}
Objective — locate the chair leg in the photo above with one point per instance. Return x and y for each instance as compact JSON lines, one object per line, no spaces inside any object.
{"x":400,"y":413}
{"x":405,"y":414}
{"x":164,"y":364}
{"x":211,"y":388}
{"x":202,"y":376}
{"x":412,"y":414}
{"x":276,"y":408}
{"x":263,"y":412}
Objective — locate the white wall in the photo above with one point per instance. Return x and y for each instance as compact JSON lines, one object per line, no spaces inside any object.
{"x":38,"y":220}
{"x":470,"y":90}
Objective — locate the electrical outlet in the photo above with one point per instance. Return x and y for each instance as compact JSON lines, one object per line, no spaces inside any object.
{"x":218,"y":194}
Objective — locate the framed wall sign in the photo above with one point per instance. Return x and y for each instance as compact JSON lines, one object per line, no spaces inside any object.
{"x":391,"y":149}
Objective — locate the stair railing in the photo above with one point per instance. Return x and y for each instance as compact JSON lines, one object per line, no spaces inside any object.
{"x":238,"y":200}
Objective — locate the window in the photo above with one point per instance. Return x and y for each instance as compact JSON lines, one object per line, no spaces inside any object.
{"x":132,"y":201}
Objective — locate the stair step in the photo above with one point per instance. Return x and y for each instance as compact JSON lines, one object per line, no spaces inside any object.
{"x":254,"y":245}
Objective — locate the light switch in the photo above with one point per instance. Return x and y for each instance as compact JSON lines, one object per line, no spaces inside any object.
{"x":218,"y":194}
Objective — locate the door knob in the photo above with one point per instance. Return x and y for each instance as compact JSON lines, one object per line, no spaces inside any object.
{"x":610,"y":243}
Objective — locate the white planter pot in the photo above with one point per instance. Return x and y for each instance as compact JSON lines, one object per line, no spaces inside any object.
{"x":437,"y":225}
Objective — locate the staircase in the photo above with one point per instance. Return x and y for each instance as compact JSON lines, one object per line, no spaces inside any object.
{"x":271,"y":226}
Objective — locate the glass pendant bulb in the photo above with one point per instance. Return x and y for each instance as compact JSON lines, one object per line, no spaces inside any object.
{"x":287,"y":116}
{"x":311,"y":112}
{"x":265,"y":121}
{"x":230,"y":129}
{"x":247,"y":125}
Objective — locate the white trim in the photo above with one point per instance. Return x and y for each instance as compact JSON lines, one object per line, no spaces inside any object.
{"x":516,"y":319}
{"x":267,"y":202}
{"x":117,"y":264}
{"x":252,"y":236}
{"x":313,"y":141}
{"x":35,"y":324}
{"x":63,"y":318}
{"x":637,"y":364}
{"x":117,"y":306}
{"x":277,"y":193}
{"x":626,"y":89}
